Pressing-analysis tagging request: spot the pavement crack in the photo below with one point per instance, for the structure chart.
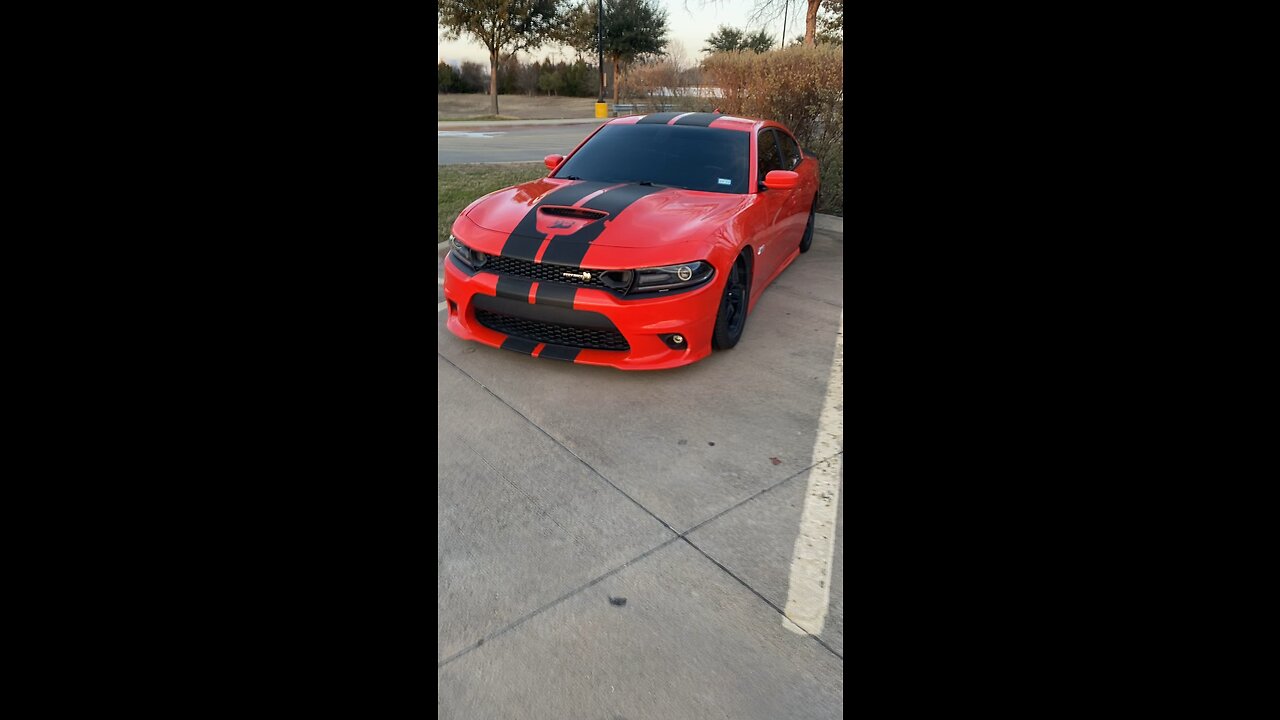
(556, 440)
(771, 488)
(530, 615)
(758, 594)
(677, 534)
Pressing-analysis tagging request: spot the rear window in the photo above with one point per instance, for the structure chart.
(790, 151)
(694, 158)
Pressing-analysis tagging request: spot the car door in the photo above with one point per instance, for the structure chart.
(795, 216)
(772, 210)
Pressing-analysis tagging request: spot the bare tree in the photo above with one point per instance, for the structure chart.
(769, 10)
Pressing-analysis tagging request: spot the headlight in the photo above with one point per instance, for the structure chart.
(672, 276)
(473, 259)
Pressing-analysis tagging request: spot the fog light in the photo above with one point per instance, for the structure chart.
(675, 341)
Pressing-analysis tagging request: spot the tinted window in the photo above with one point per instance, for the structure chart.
(769, 157)
(790, 151)
(695, 158)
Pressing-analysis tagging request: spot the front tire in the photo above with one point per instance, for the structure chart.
(732, 317)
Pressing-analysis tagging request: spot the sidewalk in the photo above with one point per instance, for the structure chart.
(499, 124)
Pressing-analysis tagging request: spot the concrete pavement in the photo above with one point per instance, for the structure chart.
(617, 544)
(499, 142)
(500, 124)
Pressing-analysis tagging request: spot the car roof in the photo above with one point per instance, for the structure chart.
(716, 121)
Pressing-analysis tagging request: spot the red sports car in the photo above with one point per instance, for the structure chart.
(643, 249)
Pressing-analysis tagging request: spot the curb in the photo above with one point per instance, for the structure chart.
(829, 222)
(498, 125)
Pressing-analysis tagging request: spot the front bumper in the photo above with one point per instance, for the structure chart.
(537, 315)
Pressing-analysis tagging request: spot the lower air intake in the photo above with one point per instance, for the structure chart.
(551, 333)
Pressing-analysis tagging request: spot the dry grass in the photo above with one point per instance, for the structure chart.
(458, 185)
(519, 107)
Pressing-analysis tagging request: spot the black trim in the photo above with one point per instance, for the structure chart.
(515, 288)
(560, 352)
(570, 249)
(543, 313)
(555, 295)
(661, 118)
(461, 265)
(699, 119)
(523, 242)
(519, 345)
(536, 331)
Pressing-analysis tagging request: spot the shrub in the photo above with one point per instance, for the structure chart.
(800, 87)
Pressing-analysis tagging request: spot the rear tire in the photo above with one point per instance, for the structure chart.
(732, 318)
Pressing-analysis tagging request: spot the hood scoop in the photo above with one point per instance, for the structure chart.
(562, 220)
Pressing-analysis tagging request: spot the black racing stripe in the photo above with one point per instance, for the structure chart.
(524, 240)
(519, 345)
(699, 119)
(570, 249)
(560, 352)
(555, 295)
(514, 288)
(659, 118)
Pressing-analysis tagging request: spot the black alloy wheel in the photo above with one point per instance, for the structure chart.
(732, 317)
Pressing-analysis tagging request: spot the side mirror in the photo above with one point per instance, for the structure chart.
(782, 180)
(553, 160)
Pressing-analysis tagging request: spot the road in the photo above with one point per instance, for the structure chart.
(498, 142)
(623, 544)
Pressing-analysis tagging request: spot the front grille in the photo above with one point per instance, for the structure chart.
(540, 272)
(551, 333)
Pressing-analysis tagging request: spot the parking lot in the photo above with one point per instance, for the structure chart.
(625, 544)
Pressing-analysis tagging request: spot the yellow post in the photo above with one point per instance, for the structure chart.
(602, 110)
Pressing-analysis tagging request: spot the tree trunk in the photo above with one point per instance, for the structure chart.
(615, 81)
(493, 82)
(811, 23)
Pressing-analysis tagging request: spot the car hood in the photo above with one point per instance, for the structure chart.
(634, 217)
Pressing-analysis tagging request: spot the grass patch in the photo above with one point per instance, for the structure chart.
(459, 185)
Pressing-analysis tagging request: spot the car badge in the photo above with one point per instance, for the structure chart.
(586, 276)
(561, 224)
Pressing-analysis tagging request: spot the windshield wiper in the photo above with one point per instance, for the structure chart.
(650, 183)
(572, 177)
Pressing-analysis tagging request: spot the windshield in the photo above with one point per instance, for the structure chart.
(694, 158)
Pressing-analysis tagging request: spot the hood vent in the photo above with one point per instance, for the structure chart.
(572, 212)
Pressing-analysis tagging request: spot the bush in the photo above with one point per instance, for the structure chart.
(800, 87)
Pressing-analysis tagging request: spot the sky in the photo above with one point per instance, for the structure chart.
(689, 22)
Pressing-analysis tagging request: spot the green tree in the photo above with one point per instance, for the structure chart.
(471, 78)
(727, 39)
(448, 78)
(831, 23)
(504, 27)
(724, 39)
(759, 41)
(508, 74)
(576, 79)
(633, 30)
(550, 82)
